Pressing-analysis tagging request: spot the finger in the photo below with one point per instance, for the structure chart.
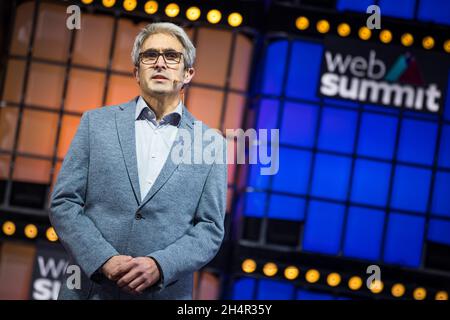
(141, 287)
(135, 283)
(116, 275)
(125, 289)
(107, 274)
(127, 278)
(122, 269)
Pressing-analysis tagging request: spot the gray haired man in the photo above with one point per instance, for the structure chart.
(136, 222)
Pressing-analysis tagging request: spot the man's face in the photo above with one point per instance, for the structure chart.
(161, 78)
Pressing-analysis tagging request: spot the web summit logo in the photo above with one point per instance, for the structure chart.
(367, 79)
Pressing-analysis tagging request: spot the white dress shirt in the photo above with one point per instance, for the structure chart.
(153, 142)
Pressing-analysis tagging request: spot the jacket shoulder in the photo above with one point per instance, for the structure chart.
(105, 110)
(109, 110)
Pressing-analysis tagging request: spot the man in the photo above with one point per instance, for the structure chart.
(137, 222)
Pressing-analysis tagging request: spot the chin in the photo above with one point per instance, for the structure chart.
(159, 91)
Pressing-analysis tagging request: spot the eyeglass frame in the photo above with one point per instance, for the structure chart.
(161, 54)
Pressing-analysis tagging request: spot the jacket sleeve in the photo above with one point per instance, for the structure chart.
(202, 241)
(76, 231)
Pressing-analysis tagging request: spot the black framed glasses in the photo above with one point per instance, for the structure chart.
(171, 57)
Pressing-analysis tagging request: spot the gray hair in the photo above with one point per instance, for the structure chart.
(167, 28)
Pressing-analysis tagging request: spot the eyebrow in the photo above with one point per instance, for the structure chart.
(161, 49)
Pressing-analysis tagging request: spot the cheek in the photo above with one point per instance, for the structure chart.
(179, 76)
(144, 75)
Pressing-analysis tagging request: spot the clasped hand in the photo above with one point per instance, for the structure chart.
(133, 275)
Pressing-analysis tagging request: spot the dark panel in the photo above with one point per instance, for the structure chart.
(2, 190)
(437, 256)
(283, 232)
(30, 195)
(252, 227)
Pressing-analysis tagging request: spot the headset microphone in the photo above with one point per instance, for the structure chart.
(175, 82)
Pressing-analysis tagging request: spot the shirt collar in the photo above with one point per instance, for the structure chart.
(172, 118)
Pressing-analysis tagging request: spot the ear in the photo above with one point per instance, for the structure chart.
(188, 75)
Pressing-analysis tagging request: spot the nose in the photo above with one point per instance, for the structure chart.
(160, 62)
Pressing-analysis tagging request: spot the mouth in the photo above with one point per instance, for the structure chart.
(159, 77)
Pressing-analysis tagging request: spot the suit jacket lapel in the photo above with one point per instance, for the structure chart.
(125, 124)
(186, 123)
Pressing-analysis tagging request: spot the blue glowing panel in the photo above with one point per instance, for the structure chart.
(447, 101)
(404, 240)
(267, 119)
(382, 109)
(417, 142)
(377, 136)
(299, 124)
(411, 188)
(323, 227)
(341, 102)
(303, 294)
(441, 194)
(293, 172)
(337, 130)
(275, 63)
(243, 289)
(444, 148)
(286, 208)
(303, 77)
(268, 114)
(439, 231)
(364, 233)
(331, 176)
(371, 182)
(421, 115)
(255, 204)
(354, 5)
(275, 290)
(434, 10)
(256, 179)
(399, 8)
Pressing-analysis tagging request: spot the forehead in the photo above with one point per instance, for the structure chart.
(162, 41)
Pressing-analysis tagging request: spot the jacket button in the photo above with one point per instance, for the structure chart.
(138, 216)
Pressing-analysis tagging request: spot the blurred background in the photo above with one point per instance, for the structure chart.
(364, 178)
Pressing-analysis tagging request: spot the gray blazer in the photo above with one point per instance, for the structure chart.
(97, 212)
